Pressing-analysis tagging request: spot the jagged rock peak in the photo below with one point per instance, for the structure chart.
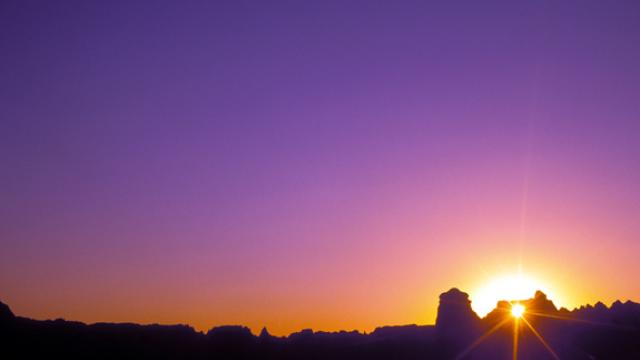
(454, 295)
(540, 295)
(600, 306)
(5, 312)
(264, 333)
(541, 303)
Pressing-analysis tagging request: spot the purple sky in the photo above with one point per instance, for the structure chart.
(331, 165)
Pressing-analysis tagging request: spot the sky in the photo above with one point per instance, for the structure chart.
(329, 165)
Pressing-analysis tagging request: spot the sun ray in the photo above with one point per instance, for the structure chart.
(566, 318)
(515, 338)
(542, 340)
(479, 340)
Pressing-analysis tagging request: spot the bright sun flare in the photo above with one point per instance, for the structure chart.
(514, 287)
(517, 310)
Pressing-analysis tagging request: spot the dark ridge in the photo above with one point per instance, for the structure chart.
(5, 313)
(588, 332)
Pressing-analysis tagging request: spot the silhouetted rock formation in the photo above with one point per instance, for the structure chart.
(264, 335)
(5, 313)
(589, 332)
(456, 323)
(540, 304)
(454, 312)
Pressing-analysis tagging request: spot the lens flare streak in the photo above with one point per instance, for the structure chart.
(515, 338)
(566, 318)
(516, 317)
(542, 340)
(481, 339)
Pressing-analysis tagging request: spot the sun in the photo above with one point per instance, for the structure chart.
(517, 310)
(510, 287)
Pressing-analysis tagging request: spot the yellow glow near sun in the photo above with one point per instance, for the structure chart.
(517, 310)
(513, 287)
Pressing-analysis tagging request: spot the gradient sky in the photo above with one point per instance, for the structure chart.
(334, 165)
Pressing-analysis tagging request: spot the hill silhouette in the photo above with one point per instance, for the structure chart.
(545, 332)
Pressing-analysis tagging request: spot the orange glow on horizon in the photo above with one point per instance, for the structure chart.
(509, 288)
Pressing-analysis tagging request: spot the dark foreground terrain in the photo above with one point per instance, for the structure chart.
(592, 332)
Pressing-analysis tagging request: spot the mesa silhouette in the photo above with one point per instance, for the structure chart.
(544, 332)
